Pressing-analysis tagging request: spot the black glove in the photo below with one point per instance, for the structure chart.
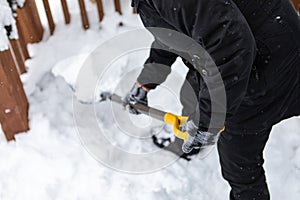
(137, 94)
(197, 139)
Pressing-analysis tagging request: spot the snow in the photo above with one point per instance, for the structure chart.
(7, 110)
(51, 162)
(21, 3)
(6, 19)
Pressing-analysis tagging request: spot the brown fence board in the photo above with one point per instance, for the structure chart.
(13, 101)
(23, 45)
(18, 56)
(84, 17)
(49, 16)
(118, 6)
(66, 12)
(29, 23)
(100, 9)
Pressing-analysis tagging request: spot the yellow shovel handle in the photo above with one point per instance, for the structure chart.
(176, 122)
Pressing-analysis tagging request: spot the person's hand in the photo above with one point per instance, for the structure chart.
(197, 139)
(137, 94)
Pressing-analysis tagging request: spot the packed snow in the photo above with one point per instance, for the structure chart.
(50, 161)
(7, 19)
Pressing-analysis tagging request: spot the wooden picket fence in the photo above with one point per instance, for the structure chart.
(84, 16)
(13, 102)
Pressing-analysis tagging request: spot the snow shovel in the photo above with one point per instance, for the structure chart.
(169, 118)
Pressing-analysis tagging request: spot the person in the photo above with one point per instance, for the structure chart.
(256, 48)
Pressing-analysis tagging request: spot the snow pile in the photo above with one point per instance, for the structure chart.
(49, 162)
(15, 4)
(6, 19)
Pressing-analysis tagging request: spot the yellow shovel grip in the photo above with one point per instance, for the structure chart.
(176, 122)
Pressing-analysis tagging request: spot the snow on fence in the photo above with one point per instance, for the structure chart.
(13, 53)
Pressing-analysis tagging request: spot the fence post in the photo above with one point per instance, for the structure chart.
(49, 16)
(29, 23)
(118, 6)
(13, 101)
(100, 9)
(84, 17)
(65, 8)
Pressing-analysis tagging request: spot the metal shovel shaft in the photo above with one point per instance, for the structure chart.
(168, 118)
(152, 112)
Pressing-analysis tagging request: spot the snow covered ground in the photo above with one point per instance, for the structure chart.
(50, 162)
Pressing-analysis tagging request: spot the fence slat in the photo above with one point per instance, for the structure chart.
(49, 16)
(118, 6)
(66, 12)
(100, 9)
(18, 56)
(23, 45)
(13, 101)
(84, 17)
(29, 23)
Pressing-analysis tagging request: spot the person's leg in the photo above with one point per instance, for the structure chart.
(241, 159)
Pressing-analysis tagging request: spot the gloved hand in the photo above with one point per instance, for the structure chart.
(137, 94)
(197, 139)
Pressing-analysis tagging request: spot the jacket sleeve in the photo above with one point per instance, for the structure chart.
(158, 65)
(221, 29)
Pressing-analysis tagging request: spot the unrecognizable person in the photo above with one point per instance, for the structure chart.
(256, 47)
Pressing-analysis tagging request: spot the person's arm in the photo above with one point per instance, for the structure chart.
(224, 33)
(158, 65)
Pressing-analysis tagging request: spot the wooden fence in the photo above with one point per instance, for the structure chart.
(13, 101)
(297, 5)
(84, 16)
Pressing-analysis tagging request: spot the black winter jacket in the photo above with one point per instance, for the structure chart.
(255, 45)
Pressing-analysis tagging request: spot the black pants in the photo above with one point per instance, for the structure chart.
(241, 159)
(241, 155)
